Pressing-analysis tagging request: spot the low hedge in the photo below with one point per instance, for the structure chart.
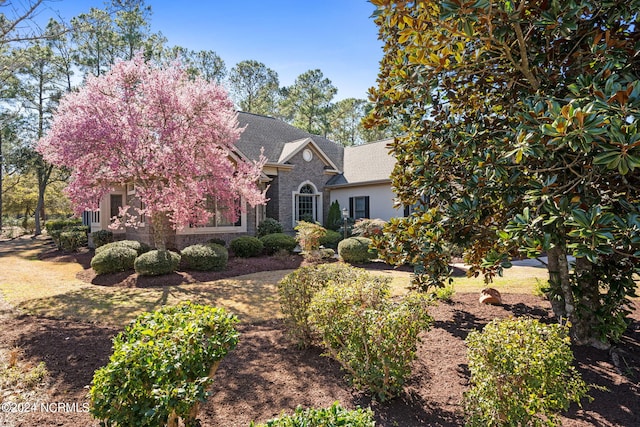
(139, 247)
(205, 257)
(355, 250)
(277, 242)
(246, 246)
(157, 263)
(72, 240)
(327, 417)
(101, 237)
(114, 259)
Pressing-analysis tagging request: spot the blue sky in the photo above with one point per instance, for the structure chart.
(289, 36)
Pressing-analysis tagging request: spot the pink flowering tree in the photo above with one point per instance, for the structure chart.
(170, 136)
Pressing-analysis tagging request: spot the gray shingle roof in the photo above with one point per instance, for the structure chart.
(366, 163)
(273, 134)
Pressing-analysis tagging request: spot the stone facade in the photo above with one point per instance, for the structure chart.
(288, 181)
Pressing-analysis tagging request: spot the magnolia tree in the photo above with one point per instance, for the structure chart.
(170, 136)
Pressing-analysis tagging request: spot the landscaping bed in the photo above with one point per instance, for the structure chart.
(266, 374)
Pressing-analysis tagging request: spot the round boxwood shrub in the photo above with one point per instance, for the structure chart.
(101, 237)
(246, 246)
(277, 242)
(269, 226)
(331, 239)
(114, 259)
(161, 367)
(156, 263)
(355, 250)
(139, 247)
(205, 257)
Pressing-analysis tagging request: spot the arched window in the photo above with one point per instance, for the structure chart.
(307, 204)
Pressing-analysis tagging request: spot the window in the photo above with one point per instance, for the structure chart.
(359, 207)
(115, 203)
(307, 204)
(219, 217)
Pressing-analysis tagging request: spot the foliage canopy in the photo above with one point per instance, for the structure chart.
(519, 137)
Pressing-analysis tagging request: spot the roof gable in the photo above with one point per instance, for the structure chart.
(273, 135)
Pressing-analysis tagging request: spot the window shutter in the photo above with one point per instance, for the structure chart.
(366, 207)
(351, 207)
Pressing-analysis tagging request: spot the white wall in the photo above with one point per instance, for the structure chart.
(380, 199)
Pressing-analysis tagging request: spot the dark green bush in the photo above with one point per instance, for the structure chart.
(69, 240)
(334, 416)
(334, 217)
(269, 226)
(156, 263)
(371, 336)
(205, 257)
(218, 241)
(522, 374)
(277, 242)
(114, 259)
(161, 367)
(331, 239)
(72, 240)
(246, 246)
(356, 250)
(139, 247)
(101, 237)
(297, 289)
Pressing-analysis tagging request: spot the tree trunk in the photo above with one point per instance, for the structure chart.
(159, 225)
(575, 302)
(556, 295)
(587, 294)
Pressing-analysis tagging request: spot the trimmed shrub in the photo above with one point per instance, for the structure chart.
(58, 227)
(366, 227)
(205, 257)
(521, 374)
(277, 242)
(269, 226)
(156, 263)
(373, 338)
(326, 253)
(331, 239)
(72, 240)
(297, 289)
(162, 365)
(114, 259)
(61, 224)
(139, 247)
(246, 246)
(101, 237)
(218, 241)
(334, 416)
(355, 250)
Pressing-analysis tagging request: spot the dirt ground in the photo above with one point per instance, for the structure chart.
(266, 374)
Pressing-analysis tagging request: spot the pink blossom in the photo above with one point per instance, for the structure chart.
(171, 137)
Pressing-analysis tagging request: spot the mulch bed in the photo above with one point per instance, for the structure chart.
(266, 374)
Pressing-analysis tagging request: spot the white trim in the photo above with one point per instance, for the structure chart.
(301, 144)
(213, 230)
(317, 202)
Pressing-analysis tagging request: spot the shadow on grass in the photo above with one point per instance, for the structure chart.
(250, 300)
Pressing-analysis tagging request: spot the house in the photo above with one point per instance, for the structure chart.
(304, 173)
